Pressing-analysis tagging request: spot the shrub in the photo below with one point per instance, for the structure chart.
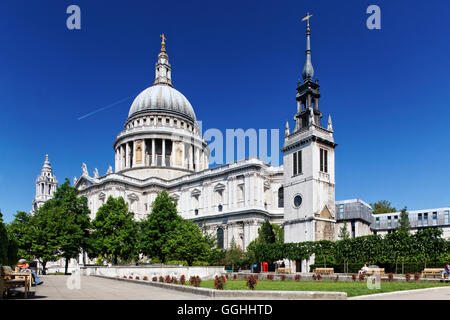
(354, 277)
(297, 277)
(195, 281)
(200, 264)
(137, 278)
(407, 277)
(337, 278)
(130, 277)
(361, 277)
(252, 281)
(182, 279)
(316, 276)
(177, 262)
(234, 276)
(154, 279)
(391, 276)
(416, 276)
(145, 278)
(174, 280)
(227, 276)
(161, 279)
(124, 277)
(270, 276)
(219, 282)
(168, 279)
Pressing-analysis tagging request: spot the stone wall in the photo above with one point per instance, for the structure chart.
(153, 271)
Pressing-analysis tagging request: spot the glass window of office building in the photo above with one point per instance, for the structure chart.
(377, 223)
(341, 211)
(389, 222)
(434, 218)
(419, 219)
(425, 219)
(446, 217)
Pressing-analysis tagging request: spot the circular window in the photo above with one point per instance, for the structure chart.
(298, 201)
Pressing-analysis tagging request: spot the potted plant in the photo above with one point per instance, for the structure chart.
(297, 277)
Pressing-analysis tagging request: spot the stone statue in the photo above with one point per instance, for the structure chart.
(96, 173)
(311, 116)
(109, 170)
(85, 171)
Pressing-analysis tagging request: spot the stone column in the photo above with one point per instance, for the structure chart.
(116, 158)
(127, 157)
(133, 162)
(153, 152)
(163, 152)
(229, 193)
(191, 157)
(246, 188)
(144, 150)
(183, 160)
(197, 159)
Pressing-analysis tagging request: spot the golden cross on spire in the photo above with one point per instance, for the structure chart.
(163, 42)
(308, 16)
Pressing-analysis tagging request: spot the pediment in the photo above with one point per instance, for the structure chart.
(325, 214)
(219, 187)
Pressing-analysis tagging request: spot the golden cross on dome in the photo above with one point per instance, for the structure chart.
(163, 43)
(308, 16)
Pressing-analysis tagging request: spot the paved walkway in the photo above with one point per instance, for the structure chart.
(440, 293)
(93, 288)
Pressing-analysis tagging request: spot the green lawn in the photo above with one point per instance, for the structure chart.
(351, 288)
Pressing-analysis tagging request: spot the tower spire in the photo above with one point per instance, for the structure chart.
(308, 70)
(163, 70)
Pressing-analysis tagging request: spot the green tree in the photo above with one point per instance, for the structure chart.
(114, 231)
(325, 248)
(186, 242)
(19, 230)
(343, 232)
(72, 214)
(382, 206)
(43, 234)
(156, 230)
(265, 233)
(4, 242)
(344, 251)
(279, 233)
(233, 255)
(404, 224)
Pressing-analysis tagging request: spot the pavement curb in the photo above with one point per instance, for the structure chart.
(375, 295)
(298, 295)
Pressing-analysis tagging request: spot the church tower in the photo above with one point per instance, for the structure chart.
(308, 155)
(45, 185)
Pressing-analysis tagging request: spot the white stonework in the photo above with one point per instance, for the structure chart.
(161, 148)
(45, 185)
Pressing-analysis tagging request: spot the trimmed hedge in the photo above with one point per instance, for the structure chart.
(388, 267)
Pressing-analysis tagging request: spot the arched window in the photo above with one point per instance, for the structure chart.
(220, 238)
(281, 197)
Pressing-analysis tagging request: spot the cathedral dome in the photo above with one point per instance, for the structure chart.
(162, 98)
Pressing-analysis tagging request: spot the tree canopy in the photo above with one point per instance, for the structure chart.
(114, 232)
(382, 206)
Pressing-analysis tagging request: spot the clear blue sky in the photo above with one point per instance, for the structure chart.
(238, 63)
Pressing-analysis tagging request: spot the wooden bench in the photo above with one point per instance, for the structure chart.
(283, 270)
(10, 279)
(375, 270)
(432, 272)
(324, 270)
